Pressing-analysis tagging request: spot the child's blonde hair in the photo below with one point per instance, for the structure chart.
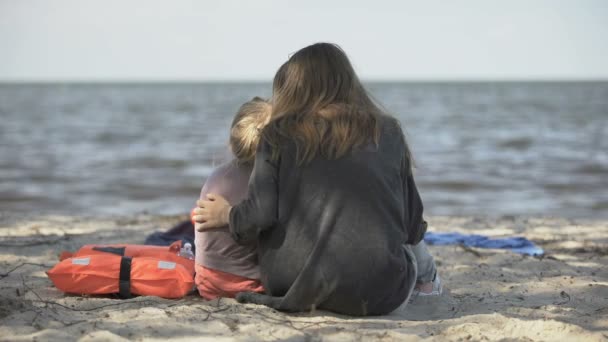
(246, 128)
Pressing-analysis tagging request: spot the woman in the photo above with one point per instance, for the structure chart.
(332, 201)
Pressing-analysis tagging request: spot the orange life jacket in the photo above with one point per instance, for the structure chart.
(125, 269)
(167, 253)
(110, 273)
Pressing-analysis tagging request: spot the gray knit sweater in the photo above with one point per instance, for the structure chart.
(330, 233)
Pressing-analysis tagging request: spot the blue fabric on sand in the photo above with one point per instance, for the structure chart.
(182, 231)
(516, 244)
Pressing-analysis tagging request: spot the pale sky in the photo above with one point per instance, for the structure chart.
(146, 40)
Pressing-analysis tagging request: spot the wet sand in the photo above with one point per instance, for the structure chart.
(492, 294)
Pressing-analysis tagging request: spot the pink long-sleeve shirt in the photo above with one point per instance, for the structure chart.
(215, 248)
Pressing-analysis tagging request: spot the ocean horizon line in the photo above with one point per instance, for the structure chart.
(260, 81)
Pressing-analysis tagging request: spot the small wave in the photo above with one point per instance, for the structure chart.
(600, 206)
(592, 168)
(114, 138)
(523, 143)
(562, 187)
(185, 108)
(151, 162)
(456, 185)
(18, 197)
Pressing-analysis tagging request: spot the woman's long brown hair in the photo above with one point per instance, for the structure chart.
(320, 104)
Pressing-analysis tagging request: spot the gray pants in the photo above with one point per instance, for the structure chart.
(422, 269)
(425, 263)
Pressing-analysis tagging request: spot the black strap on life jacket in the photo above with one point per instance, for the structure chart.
(114, 250)
(124, 282)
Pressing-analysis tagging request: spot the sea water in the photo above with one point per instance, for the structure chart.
(480, 148)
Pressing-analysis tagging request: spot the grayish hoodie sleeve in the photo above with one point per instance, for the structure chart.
(259, 211)
(415, 224)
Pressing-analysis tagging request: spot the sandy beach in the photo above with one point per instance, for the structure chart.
(492, 294)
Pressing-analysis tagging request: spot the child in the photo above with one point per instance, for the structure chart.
(224, 267)
(332, 202)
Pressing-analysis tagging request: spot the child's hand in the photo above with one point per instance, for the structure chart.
(211, 213)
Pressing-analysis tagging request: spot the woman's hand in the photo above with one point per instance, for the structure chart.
(211, 213)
